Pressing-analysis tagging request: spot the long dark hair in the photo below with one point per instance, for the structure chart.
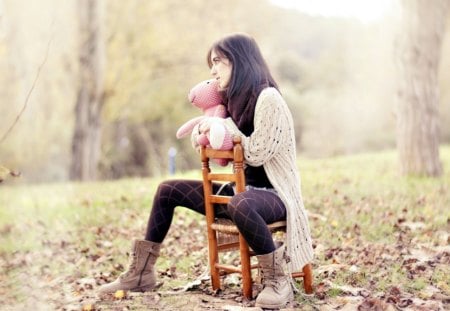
(250, 75)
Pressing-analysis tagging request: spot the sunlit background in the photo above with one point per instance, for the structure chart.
(365, 10)
(334, 62)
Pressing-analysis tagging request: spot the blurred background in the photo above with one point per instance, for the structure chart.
(108, 80)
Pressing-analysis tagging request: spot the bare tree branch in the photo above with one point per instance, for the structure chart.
(5, 135)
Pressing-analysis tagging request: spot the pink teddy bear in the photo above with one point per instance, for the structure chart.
(206, 96)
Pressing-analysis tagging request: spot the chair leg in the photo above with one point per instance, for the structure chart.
(246, 268)
(213, 259)
(308, 279)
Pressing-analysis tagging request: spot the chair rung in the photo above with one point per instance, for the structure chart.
(298, 274)
(228, 268)
(228, 247)
(278, 225)
(220, 199)
(221, 177)
(234, 269)
(219, 154)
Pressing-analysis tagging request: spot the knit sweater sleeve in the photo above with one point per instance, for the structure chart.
(269, 123)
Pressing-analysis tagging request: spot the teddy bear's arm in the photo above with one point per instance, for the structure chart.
(219, 136)
(187, 127)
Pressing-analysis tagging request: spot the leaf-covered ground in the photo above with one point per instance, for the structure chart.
(381, 243)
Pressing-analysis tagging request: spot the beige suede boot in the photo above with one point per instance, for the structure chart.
(140, 275)
(277, 291)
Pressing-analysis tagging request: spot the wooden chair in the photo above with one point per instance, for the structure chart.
(216, 228)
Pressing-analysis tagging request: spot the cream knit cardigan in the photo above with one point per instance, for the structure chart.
(272, 144)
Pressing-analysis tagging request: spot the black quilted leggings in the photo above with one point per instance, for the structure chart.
(250, 211)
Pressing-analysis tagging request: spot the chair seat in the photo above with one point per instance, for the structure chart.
(227, 226)
(228, 232)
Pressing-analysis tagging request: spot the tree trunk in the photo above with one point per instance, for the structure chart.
(86, 140)
(418, 52)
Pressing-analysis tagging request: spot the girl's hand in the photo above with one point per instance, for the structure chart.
(194, 137)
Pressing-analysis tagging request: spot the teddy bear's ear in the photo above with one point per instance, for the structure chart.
(205, 94)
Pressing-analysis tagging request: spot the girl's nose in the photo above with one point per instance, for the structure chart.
(213, 71)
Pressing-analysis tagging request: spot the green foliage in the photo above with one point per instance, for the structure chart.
(336, 74)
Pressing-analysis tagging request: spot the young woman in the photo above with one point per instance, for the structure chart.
(260, 116)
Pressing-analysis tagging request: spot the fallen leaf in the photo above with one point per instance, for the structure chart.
(372, 304)
(88, 307)
(321, 290)
(120, 294)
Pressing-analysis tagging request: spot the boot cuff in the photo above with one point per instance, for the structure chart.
(147, 246)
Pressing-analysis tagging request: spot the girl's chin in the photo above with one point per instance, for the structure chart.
(222, 87)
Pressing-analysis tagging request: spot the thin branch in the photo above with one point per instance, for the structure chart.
(29, 93)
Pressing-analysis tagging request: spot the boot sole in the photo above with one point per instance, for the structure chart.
(277, 306)
(263, 306)
(134, 289)
(143, 288)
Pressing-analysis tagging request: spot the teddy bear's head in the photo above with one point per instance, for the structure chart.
(205, 94)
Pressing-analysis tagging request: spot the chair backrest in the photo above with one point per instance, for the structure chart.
(236, 155)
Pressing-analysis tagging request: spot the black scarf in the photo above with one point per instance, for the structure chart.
(242, 110)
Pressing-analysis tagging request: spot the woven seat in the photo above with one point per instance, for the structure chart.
(228, 233)
(227, 226)
(223, 235)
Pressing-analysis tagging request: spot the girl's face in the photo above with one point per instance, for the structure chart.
(221, 69)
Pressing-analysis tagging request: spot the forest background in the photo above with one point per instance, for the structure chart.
(96, 89)
(337, 74)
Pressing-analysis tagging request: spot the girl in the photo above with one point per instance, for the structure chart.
(260, 116)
